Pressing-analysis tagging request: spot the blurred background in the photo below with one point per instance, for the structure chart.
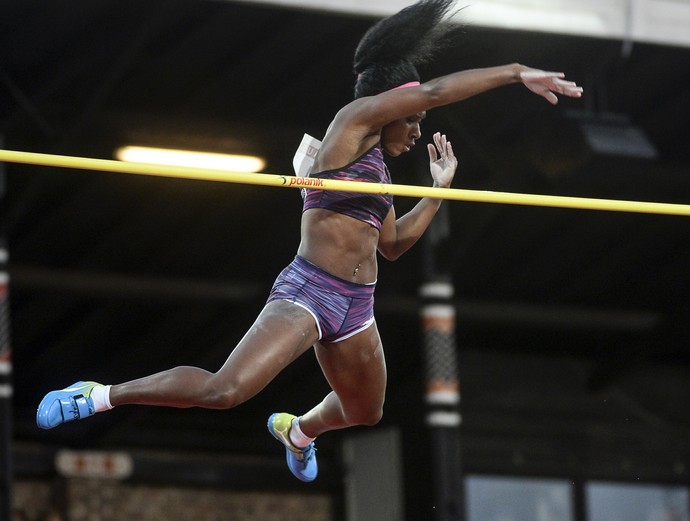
(571, 340)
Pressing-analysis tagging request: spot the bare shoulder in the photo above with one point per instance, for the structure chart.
(356, 114)
(346, 140)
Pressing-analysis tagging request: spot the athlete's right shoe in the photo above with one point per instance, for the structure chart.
(71, 403)
(301, 462)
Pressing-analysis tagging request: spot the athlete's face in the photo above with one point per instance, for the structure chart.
(400, 136)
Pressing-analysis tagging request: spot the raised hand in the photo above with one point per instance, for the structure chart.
(443, 163)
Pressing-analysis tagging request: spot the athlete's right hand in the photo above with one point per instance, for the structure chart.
(548, 84)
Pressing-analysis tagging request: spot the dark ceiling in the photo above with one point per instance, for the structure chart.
(573, 325)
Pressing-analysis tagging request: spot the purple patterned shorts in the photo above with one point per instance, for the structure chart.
(340, 308)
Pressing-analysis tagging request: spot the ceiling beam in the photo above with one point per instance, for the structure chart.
(654, 21)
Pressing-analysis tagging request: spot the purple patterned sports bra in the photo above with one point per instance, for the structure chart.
(369, 208)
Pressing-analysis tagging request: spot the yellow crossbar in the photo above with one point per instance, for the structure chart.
(288, 181)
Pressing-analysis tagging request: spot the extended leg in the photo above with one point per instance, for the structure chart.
(280, 334)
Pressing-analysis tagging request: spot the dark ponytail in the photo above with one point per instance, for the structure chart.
(390, 51)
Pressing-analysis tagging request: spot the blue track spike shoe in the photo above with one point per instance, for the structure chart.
(71, 403)
(301, 462)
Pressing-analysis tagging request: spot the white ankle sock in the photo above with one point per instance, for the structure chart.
(297, 437)
(101, 398)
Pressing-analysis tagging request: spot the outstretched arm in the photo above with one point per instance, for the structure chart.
(398, 235)
(465, 84)
(377, 111)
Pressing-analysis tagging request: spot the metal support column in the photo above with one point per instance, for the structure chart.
(5, 382)
(442, 380)
(442, 397)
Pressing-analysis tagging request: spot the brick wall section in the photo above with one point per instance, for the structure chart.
(106, 500)
(33, 497)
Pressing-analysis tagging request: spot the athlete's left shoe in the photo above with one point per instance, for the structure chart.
(71, 403)
(301, 462)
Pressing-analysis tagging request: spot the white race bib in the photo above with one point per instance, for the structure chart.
(305, 155)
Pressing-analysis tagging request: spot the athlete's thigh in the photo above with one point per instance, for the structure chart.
(282, 332)
(356, 367)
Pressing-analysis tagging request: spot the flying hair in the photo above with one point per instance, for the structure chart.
(391, 50)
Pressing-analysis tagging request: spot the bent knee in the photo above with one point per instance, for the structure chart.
(223, 395)
(368, 417)
(224, 400)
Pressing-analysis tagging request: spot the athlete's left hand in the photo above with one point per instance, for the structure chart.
(443, 163)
